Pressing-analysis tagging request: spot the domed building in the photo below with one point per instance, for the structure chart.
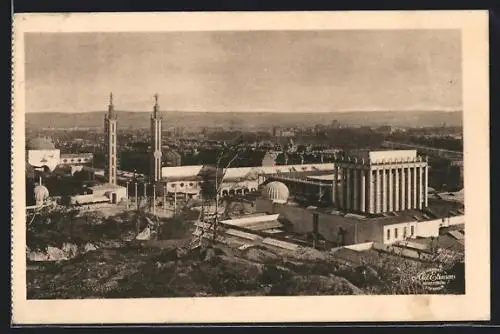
(276, 191)
(41, 194)
(42, 154)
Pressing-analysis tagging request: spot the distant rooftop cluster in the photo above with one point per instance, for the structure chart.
(41, 143)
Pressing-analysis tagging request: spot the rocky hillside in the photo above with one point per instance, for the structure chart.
(94, 258)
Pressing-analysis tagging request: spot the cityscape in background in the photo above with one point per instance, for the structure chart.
(331, 192)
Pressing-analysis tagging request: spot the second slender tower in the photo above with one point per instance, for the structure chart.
(156, 153)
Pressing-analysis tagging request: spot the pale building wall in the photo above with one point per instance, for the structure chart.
(184, 186)
(457, 220)
(360, 247)
(41, 158)
(378, 156)
(390, 235)
(181, 171)
(430, 228)
(120, 192)
(397, 155)
(301, 220)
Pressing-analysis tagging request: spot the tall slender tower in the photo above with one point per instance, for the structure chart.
(156, 143)
(110, 142)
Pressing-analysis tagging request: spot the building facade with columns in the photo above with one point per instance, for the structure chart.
(110, 130)
(375, 182)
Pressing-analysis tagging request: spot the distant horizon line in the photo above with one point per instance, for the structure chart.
(251, 111)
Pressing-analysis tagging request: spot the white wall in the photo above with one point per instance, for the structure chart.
(194, 187)
(457, 220)
(181, 171)
(360, 247)
(121, 194)
(390, 237)
(423, 229)
(40, 158)
(430, 228)
(395, 155)
(188, 186)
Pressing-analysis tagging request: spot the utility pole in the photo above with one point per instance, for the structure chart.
(136, 199)
(127, 194)
(202, 207)
(216, 201)
(154, 199)
(165, 197)
(175, 200)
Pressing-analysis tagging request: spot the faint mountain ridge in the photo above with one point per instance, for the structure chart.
(243, 119)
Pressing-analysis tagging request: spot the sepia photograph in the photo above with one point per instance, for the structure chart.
(222, 161)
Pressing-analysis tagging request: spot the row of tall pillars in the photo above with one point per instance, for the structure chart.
(403, 190)
(386, 190)
(426, 203)
(342, 188)
(398, 189)
(410, 194)
(356, 180)
(371, 202)
(391, 193)
(363, 192)
(378, 192)
(334, 185)
(136, 199)
(347, 173)
(414, 179)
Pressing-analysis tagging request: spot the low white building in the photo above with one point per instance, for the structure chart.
(115, 193)
(394, 232)
(102, 193)
(237, 180)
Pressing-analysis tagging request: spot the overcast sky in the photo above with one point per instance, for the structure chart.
(243, 71)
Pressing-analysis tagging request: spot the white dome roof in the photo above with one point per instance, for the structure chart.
(276, 191)
(41, 193)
